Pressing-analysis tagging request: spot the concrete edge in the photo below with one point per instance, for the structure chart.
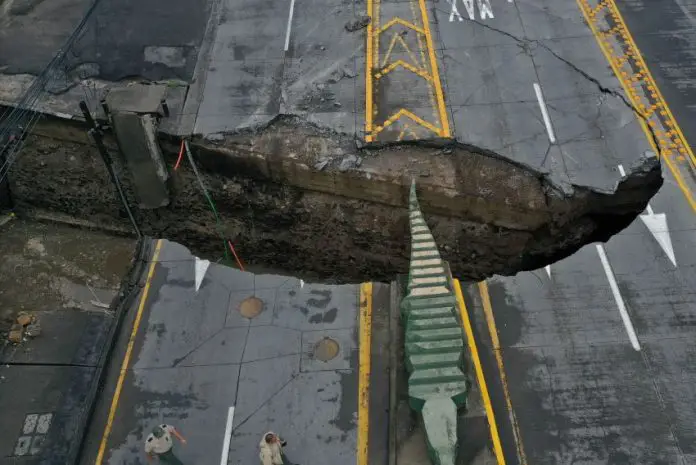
(129, 290)
(394, 328)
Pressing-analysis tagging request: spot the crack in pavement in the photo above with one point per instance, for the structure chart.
(529, 44)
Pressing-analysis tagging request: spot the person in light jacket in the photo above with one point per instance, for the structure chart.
(271, 449)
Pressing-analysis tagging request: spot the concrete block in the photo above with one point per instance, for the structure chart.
(16, 333)
(434, 347)
(434, 334)
(434, 360)
(440, 424)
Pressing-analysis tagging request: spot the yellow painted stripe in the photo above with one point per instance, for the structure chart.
(490, 320)
(610, 57)
(127, 357)
(619, 19)
(492, 425)
(368, 75)
(444, 121)
(364, 375)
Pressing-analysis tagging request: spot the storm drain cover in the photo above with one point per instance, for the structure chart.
(251, 307)
(326, 349)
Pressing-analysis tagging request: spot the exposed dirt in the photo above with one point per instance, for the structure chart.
(47, 268)
(288, 200)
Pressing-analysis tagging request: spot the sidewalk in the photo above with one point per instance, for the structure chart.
(47, 382)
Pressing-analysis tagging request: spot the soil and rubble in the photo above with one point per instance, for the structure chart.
(303, 199)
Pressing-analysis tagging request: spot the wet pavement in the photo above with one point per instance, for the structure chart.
(597, 349)
(66, 279)
(528, 79)
(581, 389)
(243, 355)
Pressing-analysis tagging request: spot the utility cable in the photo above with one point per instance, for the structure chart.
(226, 242)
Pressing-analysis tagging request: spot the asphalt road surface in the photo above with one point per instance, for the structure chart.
(592, 359)
(243, 355)
(596, 353)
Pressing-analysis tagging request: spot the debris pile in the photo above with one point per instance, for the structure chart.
(26, 326)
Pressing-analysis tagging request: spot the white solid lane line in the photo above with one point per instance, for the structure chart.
(544, 113)
(287, 32)
(228, 436)
(617, 297)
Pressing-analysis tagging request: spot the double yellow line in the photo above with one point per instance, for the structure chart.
(372, 64)
(659, 111)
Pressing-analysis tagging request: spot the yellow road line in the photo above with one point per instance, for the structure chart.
(644, 67)
(397, 37)
(444, 121)
(364, 373)
(631, 94)
(403, 64)
(126, 358)
(490, 320)
(403, 22)
(403, 112)
(368, 75)
(492, 425)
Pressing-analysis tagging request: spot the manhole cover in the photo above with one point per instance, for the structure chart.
(251, 307)
(326, 349)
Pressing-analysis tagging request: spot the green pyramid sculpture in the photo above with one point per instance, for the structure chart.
(437, 386)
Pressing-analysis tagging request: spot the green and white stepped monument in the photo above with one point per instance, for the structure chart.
(437, 385)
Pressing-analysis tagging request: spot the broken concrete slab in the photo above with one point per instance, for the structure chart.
(490, 214)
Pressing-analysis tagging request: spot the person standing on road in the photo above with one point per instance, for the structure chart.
(159, 444)
(271, 449)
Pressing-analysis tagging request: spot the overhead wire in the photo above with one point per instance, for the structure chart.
(16, 123)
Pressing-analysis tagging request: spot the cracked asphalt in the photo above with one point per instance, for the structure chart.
(596, 352)
(187, 357)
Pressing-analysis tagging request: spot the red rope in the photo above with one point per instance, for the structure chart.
(239, 262)
(181, 154)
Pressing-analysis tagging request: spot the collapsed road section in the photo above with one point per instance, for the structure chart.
(280, 199)
(276, 109)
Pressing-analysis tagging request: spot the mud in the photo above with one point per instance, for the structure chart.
(46, 268)
(297, 198)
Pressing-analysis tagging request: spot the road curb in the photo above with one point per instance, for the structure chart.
(394, 339)
(129, 290)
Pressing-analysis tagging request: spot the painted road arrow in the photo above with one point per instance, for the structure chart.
(201, 268)
(657, 225)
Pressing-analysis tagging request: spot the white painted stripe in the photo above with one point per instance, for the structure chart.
(431, 291)
(617, 297)
(228, 437)
(544, 113)
(420, 229)
(425, 253)
(424, 271)
(424, 245)
(429, 280)
(428, 262)
(421, 236)
(289, 27)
